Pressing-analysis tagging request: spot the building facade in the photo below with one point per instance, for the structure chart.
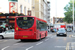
(15, 6)
(45, 10)
(58, 20)
(38, 8)
(48, 12)
(24, 6)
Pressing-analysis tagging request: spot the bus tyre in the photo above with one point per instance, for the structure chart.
(45, 35)
(40, 37)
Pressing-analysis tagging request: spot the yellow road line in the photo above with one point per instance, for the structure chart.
(67, 46)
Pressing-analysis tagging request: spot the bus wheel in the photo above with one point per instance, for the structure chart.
(45, 35)
(40, 37)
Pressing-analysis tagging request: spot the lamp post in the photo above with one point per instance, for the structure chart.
(56, 10)
(73, 16)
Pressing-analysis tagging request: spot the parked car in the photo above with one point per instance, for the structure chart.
(61, 32)
(7, 34)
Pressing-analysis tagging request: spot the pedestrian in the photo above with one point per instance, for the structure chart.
(1, 29)
(10, 27)
(6, 28)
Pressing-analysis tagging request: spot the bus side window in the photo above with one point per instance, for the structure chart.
(41, 26)
(37, 25)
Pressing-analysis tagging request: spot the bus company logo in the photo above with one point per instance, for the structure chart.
(13, 7)
(25, 18)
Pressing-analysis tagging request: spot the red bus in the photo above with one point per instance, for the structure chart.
(30, 27)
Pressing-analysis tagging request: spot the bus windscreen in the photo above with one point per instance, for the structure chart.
(25, 22)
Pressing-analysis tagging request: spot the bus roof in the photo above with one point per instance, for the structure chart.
(34, 17)
(41, 20)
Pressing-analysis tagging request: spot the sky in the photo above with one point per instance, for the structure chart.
(59, 11)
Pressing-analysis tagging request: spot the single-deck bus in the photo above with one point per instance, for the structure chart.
(30, 27)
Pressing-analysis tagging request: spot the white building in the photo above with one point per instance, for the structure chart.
(4, 6)
(12, 6)
(24, 6)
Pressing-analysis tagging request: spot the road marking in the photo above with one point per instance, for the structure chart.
(53, 36)
(72, 45)
(47, 39)
(16, 44)
(29, 48)
(67, 46)
(60, 46)
(39, 43)
(5, 47)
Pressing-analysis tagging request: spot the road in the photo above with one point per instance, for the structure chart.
(51, 42)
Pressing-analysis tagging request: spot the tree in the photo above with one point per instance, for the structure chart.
(68, 14)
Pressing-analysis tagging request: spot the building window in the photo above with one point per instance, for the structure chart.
(25, 10)
(20, 8)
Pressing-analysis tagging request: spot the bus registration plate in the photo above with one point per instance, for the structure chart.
(25, 36)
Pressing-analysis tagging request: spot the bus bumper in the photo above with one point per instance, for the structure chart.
(24, 37)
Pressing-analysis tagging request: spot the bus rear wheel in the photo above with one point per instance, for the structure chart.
(40, 37)
(45, 35)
